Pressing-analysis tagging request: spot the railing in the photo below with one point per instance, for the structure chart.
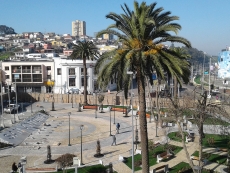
(16, 70)
(26, 70)
(37, 71)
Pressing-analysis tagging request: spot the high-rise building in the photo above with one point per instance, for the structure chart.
(107, 36)
(78, 28)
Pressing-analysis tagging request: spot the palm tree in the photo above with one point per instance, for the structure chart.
(142, 33)
(85, 50)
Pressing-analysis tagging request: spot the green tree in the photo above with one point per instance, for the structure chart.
(6, 30)
(143, 33)
(85, 50)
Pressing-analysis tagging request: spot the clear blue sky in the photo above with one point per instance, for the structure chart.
(205, 23)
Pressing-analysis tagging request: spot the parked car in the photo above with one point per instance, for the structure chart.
(11, 108)
(73, 90)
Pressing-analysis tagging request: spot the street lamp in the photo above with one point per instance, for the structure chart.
(114, 111)
(72, 97)
(69, 113)
(110, 118)
(136, 137)
(203, 74)
(14, 113)
(96, 104)
(131, 73)
(81, 128)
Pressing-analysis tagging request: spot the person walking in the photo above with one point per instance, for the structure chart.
(114, 140)
(118, 127)
(14, 167)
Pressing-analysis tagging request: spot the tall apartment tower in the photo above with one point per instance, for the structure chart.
(78, 28)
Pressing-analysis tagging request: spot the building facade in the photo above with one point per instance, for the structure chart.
(78, 28)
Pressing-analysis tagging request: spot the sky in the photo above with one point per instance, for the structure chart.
(205, 23)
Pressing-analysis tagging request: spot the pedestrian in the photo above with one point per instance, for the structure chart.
(14, 167)
(114, 140)
(117, 127)
(217, 97)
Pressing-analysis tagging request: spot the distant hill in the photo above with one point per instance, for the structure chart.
(197, 56)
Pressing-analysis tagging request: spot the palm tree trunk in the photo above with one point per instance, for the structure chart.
(175, 88)
(143, 121)
(85, 82)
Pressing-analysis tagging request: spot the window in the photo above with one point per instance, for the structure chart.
(82, 82)
(48, 76)
(82, 71)
(71, 71)
(71, 81)
(58, 71)
(7, 68)
(48, 68)
(7, 76)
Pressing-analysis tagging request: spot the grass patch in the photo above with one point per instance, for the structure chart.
(221, 141)
(197, 80)
(89, 169)
(212, 157)
(184, 167)
(213, 121)
(152, 156)
(176, 136)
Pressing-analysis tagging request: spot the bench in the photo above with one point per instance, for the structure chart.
(205, 161)
(90, 107)
(165, 167)
(118, 109)
(194, 158)
(122, 159)
(147, 115)
(188, 139)
(164, 155)
(222, 149)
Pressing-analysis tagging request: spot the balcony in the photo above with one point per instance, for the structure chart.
(16, 71)
(26, 70)
(37, 71)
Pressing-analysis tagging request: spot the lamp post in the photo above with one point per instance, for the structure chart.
(2, 104)
(69, 128)
(203, 74)
(72, 97)
(14, 113)
(81, 128)
(131, 73)
(136, 137)
(114, 111)
(96, 104)
(110, 119)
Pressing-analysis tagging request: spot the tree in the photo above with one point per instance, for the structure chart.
(203, 109)
(143, 33)
(65, 160)
(85, 50)
(6, 30)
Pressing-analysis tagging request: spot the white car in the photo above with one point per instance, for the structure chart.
(73, 90)
(11, 108)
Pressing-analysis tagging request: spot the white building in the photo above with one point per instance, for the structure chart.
(78, 28)
(69, 74)
(29, 75)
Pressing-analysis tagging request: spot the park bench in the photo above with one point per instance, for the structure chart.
(164, 155)
(90, 107)
(222, 149)
(165, 167)
(188, 139)
(205, 161)
(122, 159)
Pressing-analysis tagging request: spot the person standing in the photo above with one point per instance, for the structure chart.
(114, 140)
(118, 127)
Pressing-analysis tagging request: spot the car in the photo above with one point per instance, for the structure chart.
(73, 91)
(11, 108)
(215, 91)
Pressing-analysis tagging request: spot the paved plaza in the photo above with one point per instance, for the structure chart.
(33, 133)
